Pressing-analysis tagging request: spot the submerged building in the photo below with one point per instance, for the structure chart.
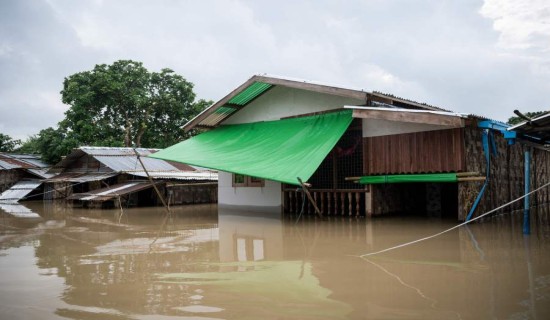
(108, 176)
(21, 176)
(362, 153)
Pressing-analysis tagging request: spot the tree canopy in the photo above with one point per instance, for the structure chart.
(121, 104)
(7, 143)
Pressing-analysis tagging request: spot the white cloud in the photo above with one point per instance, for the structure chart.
(522, 24)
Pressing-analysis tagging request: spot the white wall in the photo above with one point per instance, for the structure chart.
(282, 102)
(267, 196)
(378, 127)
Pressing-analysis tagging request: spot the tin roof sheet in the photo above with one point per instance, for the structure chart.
(538, 127)
(81, 177)
(19, 191)
(10, 161)
(197, 175)
(111, 192)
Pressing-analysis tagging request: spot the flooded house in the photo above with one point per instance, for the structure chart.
(21, 176)
(361, 153)
(125, 177)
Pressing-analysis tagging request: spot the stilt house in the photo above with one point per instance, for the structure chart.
(363, 153)
(106, 177)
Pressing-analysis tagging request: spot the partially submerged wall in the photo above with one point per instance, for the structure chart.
(259, 198)
(506, 179)
(8, 178)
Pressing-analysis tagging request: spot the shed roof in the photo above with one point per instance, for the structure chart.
(538, 128)
(111, 192)
(19, 190)
(124, 160)
(260, 84)
(10, 161)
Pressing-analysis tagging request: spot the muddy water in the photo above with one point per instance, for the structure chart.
(85, 264)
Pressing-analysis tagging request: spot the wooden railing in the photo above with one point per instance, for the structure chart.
(339, 202)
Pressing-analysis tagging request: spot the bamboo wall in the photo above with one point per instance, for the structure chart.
(506, 176)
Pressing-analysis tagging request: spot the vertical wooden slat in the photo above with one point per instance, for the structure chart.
(431, 151)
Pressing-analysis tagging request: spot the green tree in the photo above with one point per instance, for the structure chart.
(51, 144)
(123, 104)
(517, 120)
(7, 143)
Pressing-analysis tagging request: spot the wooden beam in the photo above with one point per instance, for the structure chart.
(411, 117)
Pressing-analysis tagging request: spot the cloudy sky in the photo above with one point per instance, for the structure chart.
(484, 57)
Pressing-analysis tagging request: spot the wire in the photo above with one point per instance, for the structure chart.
(455, 227)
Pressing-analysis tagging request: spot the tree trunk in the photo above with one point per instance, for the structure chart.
(127, 140)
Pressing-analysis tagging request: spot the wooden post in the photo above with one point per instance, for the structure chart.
(152, 183)
(342, 203)
(526, 210)
(350, 204)
(357, 203)
(322, 202)
(309, 196)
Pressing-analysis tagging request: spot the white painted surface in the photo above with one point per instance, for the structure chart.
(267, 196)
(280, 102)
(378, 127)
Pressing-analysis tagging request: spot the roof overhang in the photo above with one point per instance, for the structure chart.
(258, 85)
(535, 130)
(440, 118)
(112, 192)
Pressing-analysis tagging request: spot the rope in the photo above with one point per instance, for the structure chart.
(455, 227)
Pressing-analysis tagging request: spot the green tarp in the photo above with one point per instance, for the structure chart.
(402, 178)
(275, 150)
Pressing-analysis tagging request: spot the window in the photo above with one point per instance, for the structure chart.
(241, 180)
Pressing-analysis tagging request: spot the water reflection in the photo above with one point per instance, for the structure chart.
(86, 264)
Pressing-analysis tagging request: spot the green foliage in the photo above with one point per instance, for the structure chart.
(7, 143)
(517, 120)
(123, 104)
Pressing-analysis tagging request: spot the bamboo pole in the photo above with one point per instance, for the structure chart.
(469, 179)
(152, 183)
(304, 187)
(467, 174)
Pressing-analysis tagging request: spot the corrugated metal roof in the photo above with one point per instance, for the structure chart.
(116, 151)
(538, 127)
(259, 84)
(131, 163)
(42, 173)
(21, 161)
(111, 192)
(197, 175)
(18, 210)
(81, 177)
(124, 160)
(19, 190)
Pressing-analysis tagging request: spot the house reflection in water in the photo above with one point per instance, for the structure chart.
(248, 237)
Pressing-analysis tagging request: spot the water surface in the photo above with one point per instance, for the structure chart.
(201, 264)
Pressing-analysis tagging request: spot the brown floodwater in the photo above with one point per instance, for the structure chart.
(204, 264)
